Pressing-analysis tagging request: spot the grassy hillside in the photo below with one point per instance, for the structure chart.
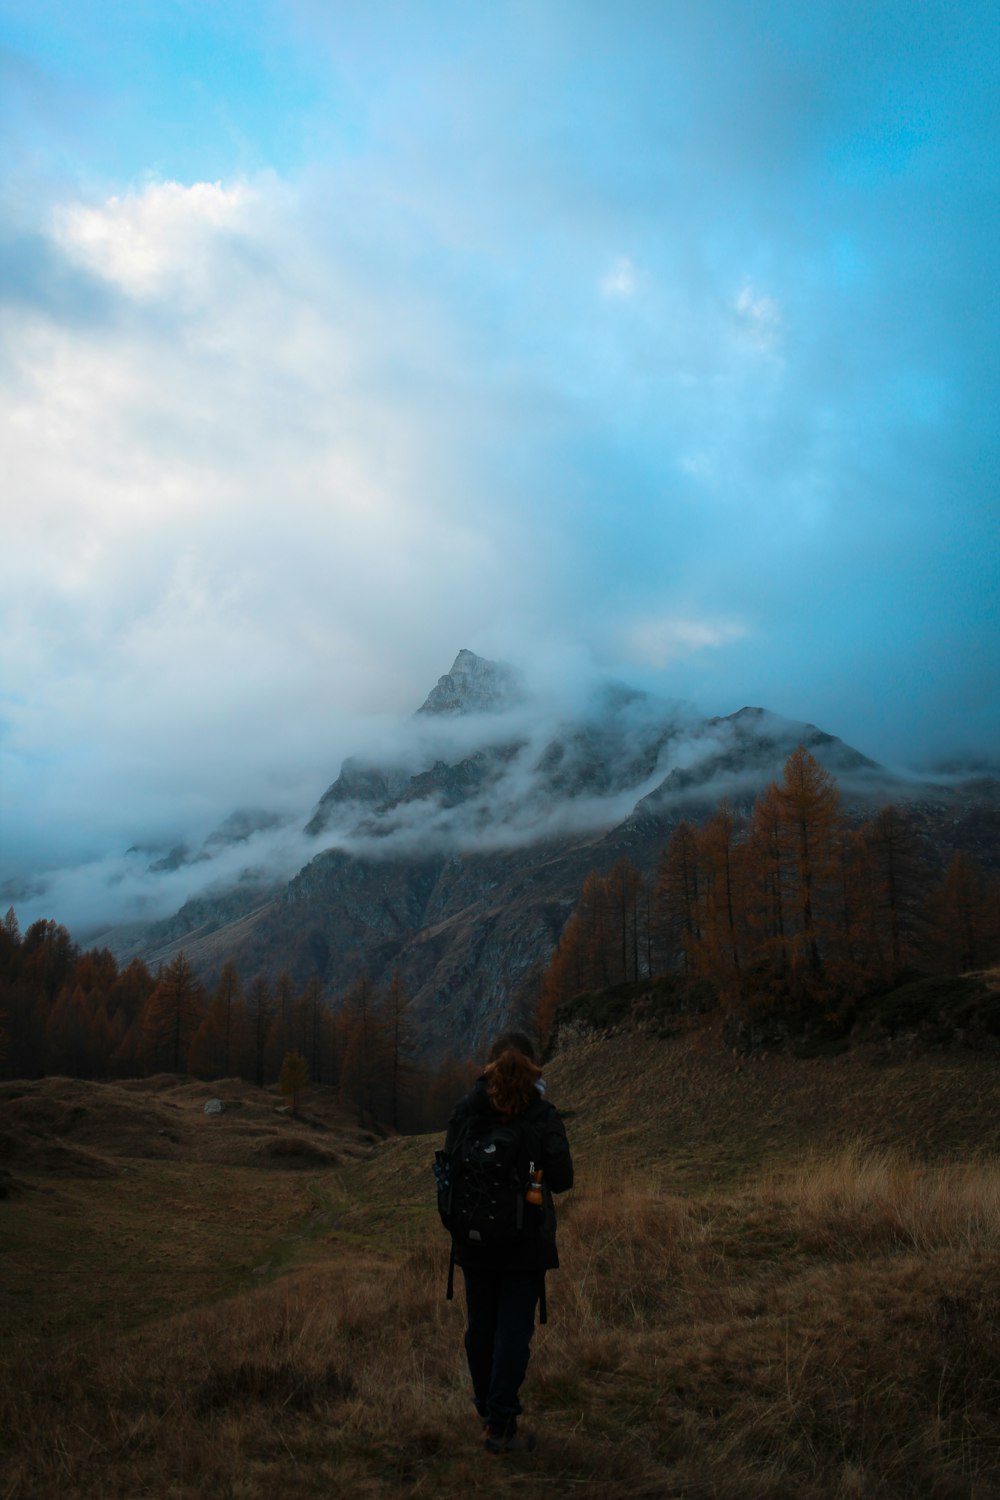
(780, 1279)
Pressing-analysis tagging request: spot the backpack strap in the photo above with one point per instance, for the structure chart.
(449, 1295)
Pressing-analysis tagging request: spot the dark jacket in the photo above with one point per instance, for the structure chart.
(550, 1148)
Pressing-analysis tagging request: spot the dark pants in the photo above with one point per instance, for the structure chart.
(501, 1308)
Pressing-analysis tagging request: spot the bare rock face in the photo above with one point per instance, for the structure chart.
(358, 785)
(474, 686)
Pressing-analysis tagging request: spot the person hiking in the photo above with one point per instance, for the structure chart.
(505, 1154)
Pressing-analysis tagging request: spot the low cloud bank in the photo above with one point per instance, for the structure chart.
(476, 783)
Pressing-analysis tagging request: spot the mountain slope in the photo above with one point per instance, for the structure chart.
(459, 863)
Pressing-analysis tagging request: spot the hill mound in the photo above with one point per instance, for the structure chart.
(686, 1108)
(746, 1309)
(78, 1128)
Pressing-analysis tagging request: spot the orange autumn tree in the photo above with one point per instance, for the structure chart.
(603, 943)
(129, 994)
(314, 1027)
(259, 1017)
(218, 1042)
(678, 898)
(624, 891)
(281, 1031)
(893, 848)
(965, 917)
(747, 906)
(767, 897)
(363, 1048)
(808, 830)
(720, 948)
(172, 1015)
(397, 1033)
(580, 961)
(293, 1077)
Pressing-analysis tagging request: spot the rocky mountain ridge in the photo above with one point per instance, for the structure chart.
(459, 863)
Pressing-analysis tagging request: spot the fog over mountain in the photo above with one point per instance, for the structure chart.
(486, 763)
(452, 848)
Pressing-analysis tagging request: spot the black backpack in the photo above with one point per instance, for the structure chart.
(483, 1182)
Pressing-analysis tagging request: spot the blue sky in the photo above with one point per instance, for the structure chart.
(651, 339)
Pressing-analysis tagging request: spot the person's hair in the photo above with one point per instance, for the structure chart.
(511, 1073)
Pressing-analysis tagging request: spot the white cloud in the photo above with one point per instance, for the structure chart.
(758, 315)
(143, 241)
(621, 281)
(658, 641)
(237, 515)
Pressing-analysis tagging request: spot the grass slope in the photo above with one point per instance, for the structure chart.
(780, 1279)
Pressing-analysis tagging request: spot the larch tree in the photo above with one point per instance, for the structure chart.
(721, 861)
(67, 1049)
(624, 890)
(293, 1077)
(678, 898)
(584, 955)
(10, 956)
(809, 804)
(260, 1015)
(312, 1031)
(899, 884)
(127, 1005)
(767, 895)
(397, 1034)
(363, 1051)
(172, 1015)
(963, 928)
(281, 1032)
(227, 1014)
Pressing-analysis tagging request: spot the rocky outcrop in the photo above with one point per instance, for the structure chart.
(474, 685)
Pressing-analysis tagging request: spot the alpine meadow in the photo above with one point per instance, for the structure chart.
(779, 1262)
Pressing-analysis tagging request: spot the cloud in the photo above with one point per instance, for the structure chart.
(154, 240)
(621, 280)
(233, 496)
(280, 435)
(546, 769)
(659, 641)
(759, 315)
(613, 748)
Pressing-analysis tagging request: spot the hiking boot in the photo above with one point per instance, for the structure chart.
(510, 1442)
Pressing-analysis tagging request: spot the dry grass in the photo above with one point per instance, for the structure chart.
(831, 1331)
(819, 1327)
(867, 1198)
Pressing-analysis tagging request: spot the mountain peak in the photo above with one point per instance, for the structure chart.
(474, 685)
